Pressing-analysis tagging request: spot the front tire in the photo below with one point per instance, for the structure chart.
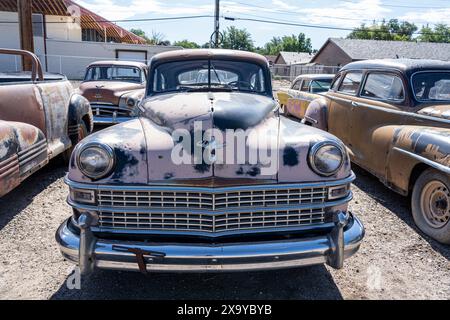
(430, 204)
(82, 133)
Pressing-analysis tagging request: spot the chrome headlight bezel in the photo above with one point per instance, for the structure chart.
(107, 150)
(316, 148)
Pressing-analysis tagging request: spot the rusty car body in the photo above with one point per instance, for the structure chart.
(114, 89)
(40, 118)
(394, 118)
(305, 88)
(140, 207)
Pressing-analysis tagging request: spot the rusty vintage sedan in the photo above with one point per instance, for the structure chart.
(209, 178)
(40, 118)
(305, 88)
(394, 118)
(114, 89)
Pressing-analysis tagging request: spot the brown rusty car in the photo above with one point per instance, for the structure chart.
(209, 177)
(114, 89)
(394, 118)
(40, 118)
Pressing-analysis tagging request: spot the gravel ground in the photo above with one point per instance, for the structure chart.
(395, 261)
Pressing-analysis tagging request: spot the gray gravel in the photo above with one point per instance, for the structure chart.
(396, 261)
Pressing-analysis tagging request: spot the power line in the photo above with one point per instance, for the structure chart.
(280, 22)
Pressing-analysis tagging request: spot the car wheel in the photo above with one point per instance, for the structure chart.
(82, 133)
(430, 204)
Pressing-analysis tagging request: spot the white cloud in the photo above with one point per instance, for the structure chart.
(429, 16)
(111, 10)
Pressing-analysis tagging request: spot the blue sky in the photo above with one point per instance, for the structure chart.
(332, 13)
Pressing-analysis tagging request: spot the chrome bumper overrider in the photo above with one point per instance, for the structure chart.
(91, 252)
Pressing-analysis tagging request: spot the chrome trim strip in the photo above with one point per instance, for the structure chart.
(34, 146)
(333, 183)
(431, 163)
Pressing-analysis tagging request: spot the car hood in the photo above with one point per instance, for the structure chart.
(437, 111)
(109, 91)
(171, 143)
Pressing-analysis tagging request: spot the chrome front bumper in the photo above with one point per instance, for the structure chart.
(90, 252)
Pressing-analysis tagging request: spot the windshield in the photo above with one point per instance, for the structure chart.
(208, 75)
(322, 85)
(114, 73)
(432, 86)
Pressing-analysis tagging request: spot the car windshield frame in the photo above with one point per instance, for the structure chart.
(211, 70)
(427, 72)
(141, 75)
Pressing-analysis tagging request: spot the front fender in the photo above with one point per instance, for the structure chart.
(79, 110)
(128, 143)
(412, 145)
(316, 114)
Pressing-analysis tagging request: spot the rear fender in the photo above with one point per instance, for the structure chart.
(79, 110)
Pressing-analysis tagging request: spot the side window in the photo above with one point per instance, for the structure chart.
(336, 82)
(384, 87)
(350, 83)
(296, 85)
(305, 86)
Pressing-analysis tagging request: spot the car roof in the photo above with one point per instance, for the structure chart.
(317, 76)
(407, 66)
(118, 63)
(198, 54)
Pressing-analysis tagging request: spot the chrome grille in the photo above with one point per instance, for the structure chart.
(108, 110)
(222, 222)
(198, 209)
(211, 200)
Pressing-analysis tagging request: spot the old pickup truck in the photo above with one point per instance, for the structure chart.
(40, 118)
(209, 177)
(394, 118)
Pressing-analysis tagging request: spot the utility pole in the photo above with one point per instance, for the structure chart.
(24, 9)
(216, 25)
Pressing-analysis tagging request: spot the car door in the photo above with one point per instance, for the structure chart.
(341, 104)
(293, 102)
(373, 116)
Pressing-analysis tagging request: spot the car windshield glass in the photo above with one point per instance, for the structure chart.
(322, 85)
(208, 75)
(113, 73)
(432, 86)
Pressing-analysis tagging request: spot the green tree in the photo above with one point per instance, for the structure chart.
(293, 43)
(440, 33)
(186, 44)
(391, 30)
(237, 39)
(140, 33)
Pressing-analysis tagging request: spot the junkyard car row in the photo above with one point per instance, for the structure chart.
(205, 173)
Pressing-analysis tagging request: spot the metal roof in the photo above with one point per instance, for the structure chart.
(88, 19)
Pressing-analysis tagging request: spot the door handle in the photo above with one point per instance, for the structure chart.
(355, 104)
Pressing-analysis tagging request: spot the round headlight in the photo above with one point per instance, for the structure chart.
(326, 158)
(131, 102)
(95, 160)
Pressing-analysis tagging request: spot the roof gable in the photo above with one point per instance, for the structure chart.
(294, 57)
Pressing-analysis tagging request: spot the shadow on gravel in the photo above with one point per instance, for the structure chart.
(302, 283)
(396, 203)
(19, 198)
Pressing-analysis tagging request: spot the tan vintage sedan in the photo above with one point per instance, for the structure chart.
(305, 88)
(394, 118)
(114, 89)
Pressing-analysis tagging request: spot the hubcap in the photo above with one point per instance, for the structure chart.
(435, 204)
